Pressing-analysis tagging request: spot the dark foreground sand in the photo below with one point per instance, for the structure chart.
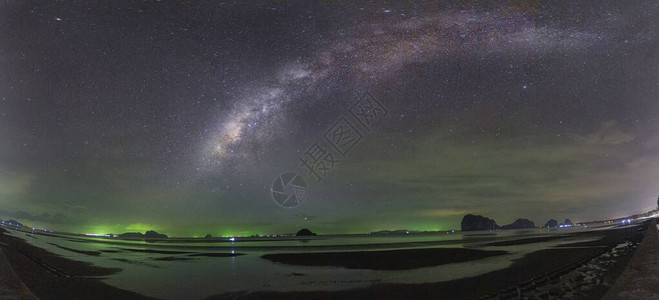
(49, 276)
(640, 280)
(11, 287)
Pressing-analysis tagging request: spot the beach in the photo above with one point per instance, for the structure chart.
(577, 265)
(48, 276)
(537, 274)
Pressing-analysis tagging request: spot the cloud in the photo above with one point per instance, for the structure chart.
(443, 212)
(139, 227)
(608, 134)
(590, 176)
(13, 184)
(43, 218)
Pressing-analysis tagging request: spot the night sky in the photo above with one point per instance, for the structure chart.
(179, 116)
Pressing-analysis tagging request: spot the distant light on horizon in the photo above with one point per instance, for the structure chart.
(97, 235)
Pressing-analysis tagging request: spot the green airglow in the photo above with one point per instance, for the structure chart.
(198, 231)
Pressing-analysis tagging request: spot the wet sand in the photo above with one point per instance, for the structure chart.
(527, 275)
(92, 253)
(384, 260)
(11, 287)
(49, 276)
(527, 241)
(640, 279)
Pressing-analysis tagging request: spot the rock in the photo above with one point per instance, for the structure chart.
(132, 235)
(475, 222)
(138, 235)
(519, 224)
(154, 235)
(305, 232)
(382, 232)
(551, 223)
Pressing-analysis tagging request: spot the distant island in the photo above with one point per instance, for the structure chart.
(553, 223)
(147, 235)
(305, 232)
(520, 224)
(477, 223)
(12, 222)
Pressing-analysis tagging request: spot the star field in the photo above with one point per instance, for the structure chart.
(179, 116)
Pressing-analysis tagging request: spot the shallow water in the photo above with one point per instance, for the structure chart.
(169, 269)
